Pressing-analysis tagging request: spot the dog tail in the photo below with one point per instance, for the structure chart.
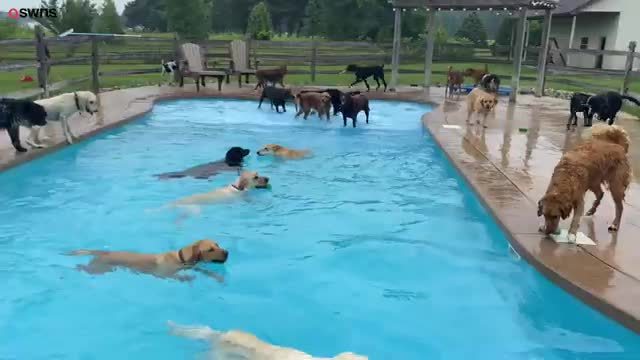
(197, 332)
(84, 252)
(611, 133)
(632, 99)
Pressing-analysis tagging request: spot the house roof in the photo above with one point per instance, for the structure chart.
(477, 4)
(571, 7)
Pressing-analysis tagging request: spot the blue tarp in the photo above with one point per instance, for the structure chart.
(503, 90)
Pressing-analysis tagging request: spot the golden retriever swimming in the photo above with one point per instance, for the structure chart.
(163, 265)
(246, 181)
(602, 159)
(236, 344)
(482, 103)
(281, 151)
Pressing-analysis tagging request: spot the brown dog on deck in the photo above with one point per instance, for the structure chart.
(163, 265)
(320, 102)
(281, 151)
(602, 159)
(476, 74)
(273, 75)
(454, 81)
(481, 103)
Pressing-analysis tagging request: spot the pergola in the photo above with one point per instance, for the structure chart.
(514, 6)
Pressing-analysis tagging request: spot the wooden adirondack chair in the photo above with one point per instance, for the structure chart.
(240, 63)
(193, 65)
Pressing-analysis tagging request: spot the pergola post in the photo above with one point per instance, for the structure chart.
(395, 56)
(571, 35)
(517, 59)
(428, 54)
(543, 54)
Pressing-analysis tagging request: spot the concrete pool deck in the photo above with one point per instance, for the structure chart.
(509, 170)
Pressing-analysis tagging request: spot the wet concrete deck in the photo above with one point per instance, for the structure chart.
(509, 169)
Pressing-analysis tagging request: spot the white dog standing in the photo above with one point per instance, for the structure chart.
(59, 108)
(236, 344)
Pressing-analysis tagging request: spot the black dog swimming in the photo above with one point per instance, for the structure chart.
(232, 162)
(336, 97)
(15, 113)
(277, 96)
(607, 105)
(579, 104)
(352, 105)
(364, 72)
(490, 82)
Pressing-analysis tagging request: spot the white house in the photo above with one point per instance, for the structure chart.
(596, 25)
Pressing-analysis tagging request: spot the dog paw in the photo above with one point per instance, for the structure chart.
(591, 212)
(572, 239)
(613, 228)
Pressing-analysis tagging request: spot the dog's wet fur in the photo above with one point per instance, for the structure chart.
(273, 76)
(232, 162)
(277, 96)
(607, 105)
(352, 105)
(336, 97)
(15, 113)
(578, 103)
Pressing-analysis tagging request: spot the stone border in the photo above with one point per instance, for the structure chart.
(572, 268)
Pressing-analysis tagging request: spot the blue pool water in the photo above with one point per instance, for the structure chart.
(374, 245)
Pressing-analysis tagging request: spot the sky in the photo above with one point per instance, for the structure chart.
(8, 4)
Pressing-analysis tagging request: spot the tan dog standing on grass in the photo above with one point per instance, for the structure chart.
(237, 344)
(162, 265)
(602, 159)
(308, 101)
(281, 151)
(481, 103)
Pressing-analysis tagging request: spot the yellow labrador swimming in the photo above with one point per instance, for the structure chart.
(246, 181)
(281, 151)
(163, 265)
(236, 344)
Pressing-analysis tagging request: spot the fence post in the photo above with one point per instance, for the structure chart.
(543, 53)
(628, 68)
(43, 64)
(177, 75)
(95, 83)
(314, 59)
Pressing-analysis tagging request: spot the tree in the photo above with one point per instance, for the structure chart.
(11, 29)
(109, 20)
(504, 32)
(188, 18)
(313, 23)
(150, 14)
(73, 14)
(259, 25)
(473, 30)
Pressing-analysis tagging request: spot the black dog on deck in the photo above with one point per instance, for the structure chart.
(277, 96)
(352, 105)
(364, 72)
(336, 97)
(232, 162)
(607, 105)
(490, 82)
(15, 113)
(579, 104)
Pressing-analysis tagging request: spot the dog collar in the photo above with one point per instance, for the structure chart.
(75, 97)
(235, 187)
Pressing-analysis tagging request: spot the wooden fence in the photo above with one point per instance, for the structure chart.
(310, 58)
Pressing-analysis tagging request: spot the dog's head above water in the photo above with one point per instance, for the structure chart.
(235, 156)
(269, 149)
(251, 179)
(203, 250)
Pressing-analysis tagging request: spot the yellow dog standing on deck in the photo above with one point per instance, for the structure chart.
(481, 102)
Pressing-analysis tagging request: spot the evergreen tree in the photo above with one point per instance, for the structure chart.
(473, 30)
(188, 18)
(504, 32)
(150, 14)
(109, 20)
(73, 14)
(259, 24)
(312, 23)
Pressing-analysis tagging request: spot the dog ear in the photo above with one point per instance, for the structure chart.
(196, 253)
(539, 208)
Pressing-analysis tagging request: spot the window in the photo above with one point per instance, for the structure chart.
(584, 43)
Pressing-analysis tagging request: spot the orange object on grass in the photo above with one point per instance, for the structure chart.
(26, 78)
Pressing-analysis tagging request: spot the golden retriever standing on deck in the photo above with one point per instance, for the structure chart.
(281, 151)
(602, 159)
(482, 103)
(163, 265)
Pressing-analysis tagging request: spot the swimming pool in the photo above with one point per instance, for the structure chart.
(374, 245)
